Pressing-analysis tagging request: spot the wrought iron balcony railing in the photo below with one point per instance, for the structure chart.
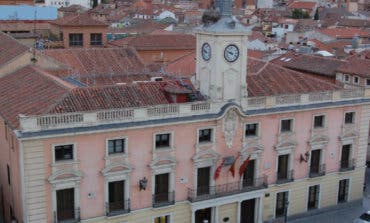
(163, 199)
(211, 192)
(117, 208)
(347, 165)
(316, 171)
(284, 177)
(70, 215)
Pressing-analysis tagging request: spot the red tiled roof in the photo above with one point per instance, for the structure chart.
(98, 60)
(10, 48)
(158, 42)
(310, 63)
(302, 5)
(356, 66)
(272, 79)
(27, 91)
(110, 97)
(83, 19)
(345, 33)
(182, 67)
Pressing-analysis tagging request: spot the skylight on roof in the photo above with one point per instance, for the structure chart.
(288, 59)
(283, 58)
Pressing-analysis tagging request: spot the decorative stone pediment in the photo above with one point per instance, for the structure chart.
(62, 176)
(163, 162)
(252, 143)
(230, 125)
(349, 131)
(286, 144)
(117, 168)
(203, 155)
(318, 140)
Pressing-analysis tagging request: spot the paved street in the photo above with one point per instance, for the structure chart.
(344, 215)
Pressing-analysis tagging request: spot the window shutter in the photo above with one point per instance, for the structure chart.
(346, 189)
(317, 197)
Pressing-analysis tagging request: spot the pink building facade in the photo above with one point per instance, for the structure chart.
(302, 141)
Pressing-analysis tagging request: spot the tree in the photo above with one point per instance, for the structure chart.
(299, 14)
(316, 16)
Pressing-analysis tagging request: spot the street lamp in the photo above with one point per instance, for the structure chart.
(286, 211)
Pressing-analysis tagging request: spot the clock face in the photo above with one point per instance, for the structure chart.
(231, 53)
(206, 51)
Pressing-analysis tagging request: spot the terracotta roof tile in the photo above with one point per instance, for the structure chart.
(356, 66)
(83, 19)
(158, 42)
(27, 91)
(302, 5)
(110, 97)
(273, 79)
(10, 48)
(182, 67)
(345, 33)
(98, 60)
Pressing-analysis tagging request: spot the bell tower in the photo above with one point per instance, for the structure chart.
(221, 53)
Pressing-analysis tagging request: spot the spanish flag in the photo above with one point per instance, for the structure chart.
(232, 168)
(218, 170)
(244, 165)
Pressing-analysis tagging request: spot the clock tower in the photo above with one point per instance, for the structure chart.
(221, 53)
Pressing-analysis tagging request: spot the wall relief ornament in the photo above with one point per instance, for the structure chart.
(229, 127)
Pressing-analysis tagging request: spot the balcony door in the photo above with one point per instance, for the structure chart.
(247, 210)
(281, 204)
(161, 187)
(343, 190)
(203, 180)
(65, 204)
(283, 166)
(315, 161)
(313, 197)
(248, 176)
(116, 196)
(202, 215)
(344, 162)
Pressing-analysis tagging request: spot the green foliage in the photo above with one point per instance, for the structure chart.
(299, 14)
(316, 16)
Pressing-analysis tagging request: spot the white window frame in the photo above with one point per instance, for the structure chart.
(125, 153)
(258, 130)
(161, 215)
(354, 118)
(346, 76)
(313, 121)
(64, 161)
(367, 79)
(308, 195)
(291, 125)
(349, 189)
(289, 193)
(115, 178)
(213, 134)
(170, 147)
(358, 80)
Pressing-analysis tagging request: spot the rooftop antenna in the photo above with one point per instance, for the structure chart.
(33, 59)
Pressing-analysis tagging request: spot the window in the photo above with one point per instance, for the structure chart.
(96, 39)
(286, 125)
(367, 82)
(281, 204)
(349, 118)
(343, 190)
(162, 219)
(251, 130)
(313, 197)
(63, 152)
(283, 172)
(346, 78)
(116, 146)
(162, 140)
(205, 135)
(8, 173)
(203, 179)
(162, 195)
(356, 80)
(319, 121)
(315, 169)
(345, 162)
(75, 39)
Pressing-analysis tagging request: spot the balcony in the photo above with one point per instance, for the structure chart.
(117, 208)
(347, 165)
(317, 171)
(286, 177)
(211, 192)
(67, 216)
(163, 199)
